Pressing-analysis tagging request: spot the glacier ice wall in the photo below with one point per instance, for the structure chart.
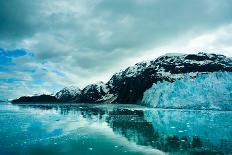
(206, 91)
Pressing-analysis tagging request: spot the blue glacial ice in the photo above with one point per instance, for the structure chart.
(206, 91)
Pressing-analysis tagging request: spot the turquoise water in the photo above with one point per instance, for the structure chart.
(112, 130)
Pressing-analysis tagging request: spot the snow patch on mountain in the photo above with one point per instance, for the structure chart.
(99, 87)
(68, 92)
(206, 91)
(133, 71)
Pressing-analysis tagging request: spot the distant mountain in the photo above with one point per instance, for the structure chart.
(68, 94)
(129, 85)
(36, 99)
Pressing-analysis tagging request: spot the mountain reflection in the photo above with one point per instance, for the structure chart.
(176, 131)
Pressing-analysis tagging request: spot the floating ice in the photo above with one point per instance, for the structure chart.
(206, 91)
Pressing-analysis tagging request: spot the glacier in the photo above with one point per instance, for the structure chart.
(205, 91)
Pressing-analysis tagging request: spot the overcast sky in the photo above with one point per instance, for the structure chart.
(48, 44)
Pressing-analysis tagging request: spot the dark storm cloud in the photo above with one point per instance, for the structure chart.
(85, 40)
(16, 19)
(106, 26)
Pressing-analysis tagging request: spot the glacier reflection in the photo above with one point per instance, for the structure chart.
(171, 131)
(193, 130)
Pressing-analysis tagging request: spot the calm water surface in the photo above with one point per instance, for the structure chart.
(112, 129)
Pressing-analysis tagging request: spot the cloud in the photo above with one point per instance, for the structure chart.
(20, 74)
(80, 42)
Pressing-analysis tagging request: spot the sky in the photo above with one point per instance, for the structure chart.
(47, 45)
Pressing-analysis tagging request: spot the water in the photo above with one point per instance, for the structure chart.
(112, 129)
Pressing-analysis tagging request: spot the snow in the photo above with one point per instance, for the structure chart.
(102, 89)
(72, 91)
(99, 86)
(133, 71)
(109, 98)
(206, 91)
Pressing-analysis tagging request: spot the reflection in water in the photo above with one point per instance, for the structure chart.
(204, 130)
(174, 131)
(131, 124)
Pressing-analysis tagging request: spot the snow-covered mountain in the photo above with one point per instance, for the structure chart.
(68, 94)
(94, 92)
(129, 85)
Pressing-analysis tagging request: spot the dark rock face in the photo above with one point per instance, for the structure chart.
(129, 85)
(34, 99)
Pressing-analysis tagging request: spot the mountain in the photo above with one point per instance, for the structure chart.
(36, 99)
(94, 93)
(68, 94)
(128, 86)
